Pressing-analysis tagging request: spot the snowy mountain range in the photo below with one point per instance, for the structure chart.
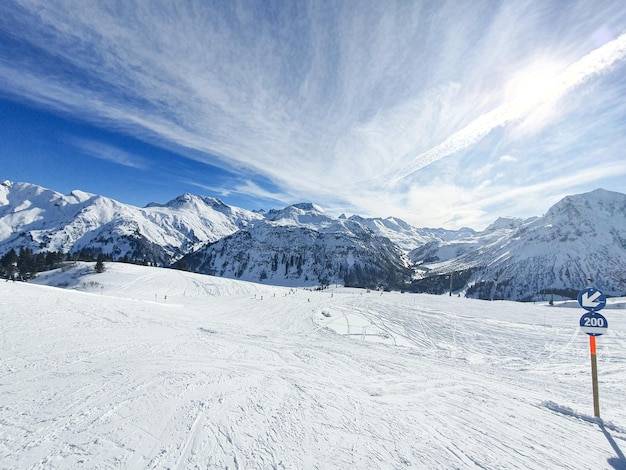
(580, 240)
(580, 237)
(302, 246)
(44, 220)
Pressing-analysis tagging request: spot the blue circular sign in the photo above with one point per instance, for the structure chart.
(593, 324)
(591, 299)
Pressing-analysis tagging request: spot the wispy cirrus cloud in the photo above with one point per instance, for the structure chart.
(246, 188)
(546, 91)
(109, 153)
(332, 103)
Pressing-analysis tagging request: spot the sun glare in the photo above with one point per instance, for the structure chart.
(532, 87)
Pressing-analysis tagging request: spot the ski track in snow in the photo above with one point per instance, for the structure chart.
(222, 374)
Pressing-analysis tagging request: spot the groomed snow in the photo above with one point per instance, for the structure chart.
(151, 368)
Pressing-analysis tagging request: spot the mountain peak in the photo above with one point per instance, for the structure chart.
(294, 210)
(81, 196)
(595, 204)
(192, 201)
(504, 223)
(308, 207)
(305, 214)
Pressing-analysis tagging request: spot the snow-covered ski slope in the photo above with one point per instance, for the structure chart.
(152, 368)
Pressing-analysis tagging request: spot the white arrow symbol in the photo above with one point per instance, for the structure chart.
(590, 301)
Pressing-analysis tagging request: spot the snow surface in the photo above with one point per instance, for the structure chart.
(144, 367)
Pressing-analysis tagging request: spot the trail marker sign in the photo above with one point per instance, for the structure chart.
(591, 299)
(593, 324)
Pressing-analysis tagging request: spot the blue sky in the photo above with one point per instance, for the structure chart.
(442, 113)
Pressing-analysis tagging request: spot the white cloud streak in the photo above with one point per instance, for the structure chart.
(590, 65)
(109, 153)
(246, 188)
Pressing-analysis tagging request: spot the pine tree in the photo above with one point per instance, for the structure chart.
(100, 263)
